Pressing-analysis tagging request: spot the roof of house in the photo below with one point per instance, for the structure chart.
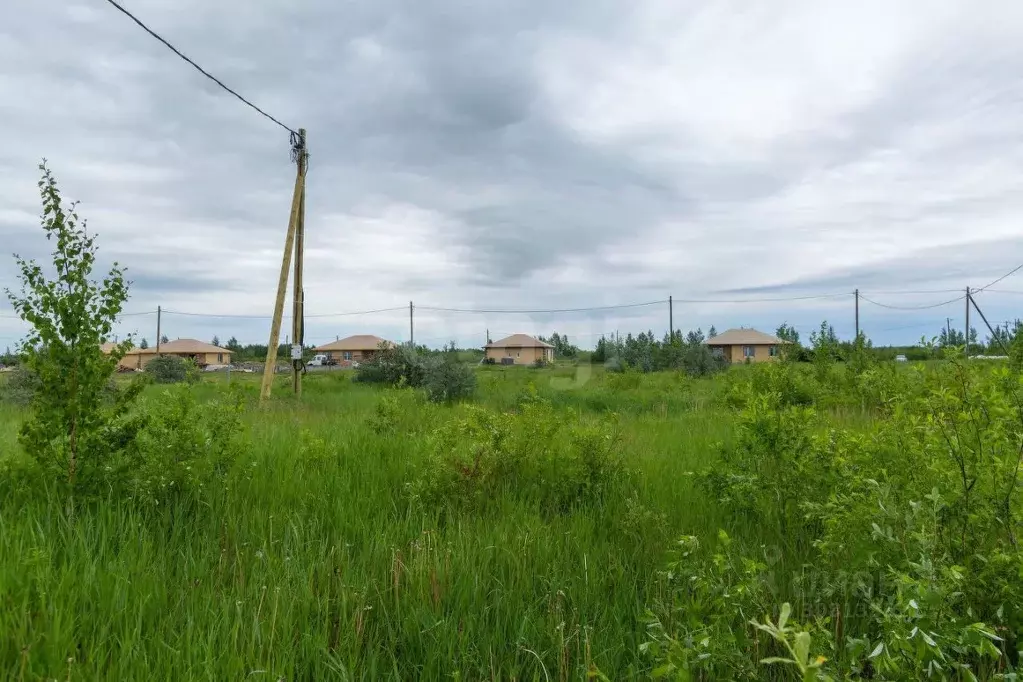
(743, 337)
(357, 342)
(518, 341)
(181, 347)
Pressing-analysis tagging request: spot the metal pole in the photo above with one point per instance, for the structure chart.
(411, 329)
(270, 367)
(159, 314)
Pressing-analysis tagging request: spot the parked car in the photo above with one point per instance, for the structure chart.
(900, 358)
(321, 361)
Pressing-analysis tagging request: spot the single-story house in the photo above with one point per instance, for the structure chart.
(518, 349)
(358, 348)
(742, 345)
(203, 354)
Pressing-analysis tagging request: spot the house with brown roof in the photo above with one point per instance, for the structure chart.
(358, 348)
(745, 345)
(201, 353)
(518, 349)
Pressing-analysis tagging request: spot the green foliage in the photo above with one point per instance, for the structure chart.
(73, 434)
(182, 445)
(168, 369)
(449, 380)
(562, 347)
(393, 365)
(19, 386)
(533, 455)
(646, 354)
(143, 344)
(908, 523)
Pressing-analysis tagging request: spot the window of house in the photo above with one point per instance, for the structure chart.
(220, 358)
(772, 351)
(347, 355)
(717, 351)
(749, 351)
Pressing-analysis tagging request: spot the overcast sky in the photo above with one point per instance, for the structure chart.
(474, 154)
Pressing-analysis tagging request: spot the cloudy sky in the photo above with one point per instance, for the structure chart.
(529, 155)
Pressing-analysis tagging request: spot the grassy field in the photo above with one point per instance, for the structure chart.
(311, 562)
(316, 557)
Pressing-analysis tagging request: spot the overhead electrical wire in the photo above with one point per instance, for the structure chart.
(197, 67)
(1009, 273)
(915, 307)
(537, 311)
(267, 317)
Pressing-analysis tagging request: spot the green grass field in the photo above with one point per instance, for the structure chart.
(314, 557)
(310, 563)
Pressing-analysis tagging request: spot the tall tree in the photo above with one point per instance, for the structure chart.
(164, 339)
(216, 340)
(143, 344)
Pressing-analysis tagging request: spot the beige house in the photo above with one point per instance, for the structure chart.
(203, 354)
(519, 349)
(745, 345)
(358, 348)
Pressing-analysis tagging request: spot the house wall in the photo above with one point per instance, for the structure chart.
(139, 361)
(762, 353)
(355, 355)
(521, 355)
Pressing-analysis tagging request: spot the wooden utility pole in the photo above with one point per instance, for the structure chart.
(159, 313)
(411, 330)
(671, 321)
(967, 322)
(298, 302)
(301, 156)
(857, 313)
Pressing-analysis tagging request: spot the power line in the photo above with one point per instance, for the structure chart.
(267, 317)
(546, 310)
(936, 305)
(197, 67)
(1010, 272)
(762, 300)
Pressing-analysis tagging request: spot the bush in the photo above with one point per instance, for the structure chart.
(447, 380)
(182, 446)
(167, 369)
(534, 455)
(905, 530)
(18, 386)
(393, 366)
(541, 363)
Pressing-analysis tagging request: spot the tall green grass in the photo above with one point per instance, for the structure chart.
(311, 562)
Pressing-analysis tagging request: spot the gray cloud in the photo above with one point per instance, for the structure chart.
(525, 155)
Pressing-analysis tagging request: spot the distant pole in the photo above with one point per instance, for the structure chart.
(671, 320)
(948, 329)
(487, 340)
(411, 328)
(159, 314)
(857, 313)
(967, 322)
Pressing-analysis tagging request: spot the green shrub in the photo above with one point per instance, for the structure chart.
(167, 369)
(18, 386)
(447, 380)
(534, 455)
(393, 366)
(182, 445)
